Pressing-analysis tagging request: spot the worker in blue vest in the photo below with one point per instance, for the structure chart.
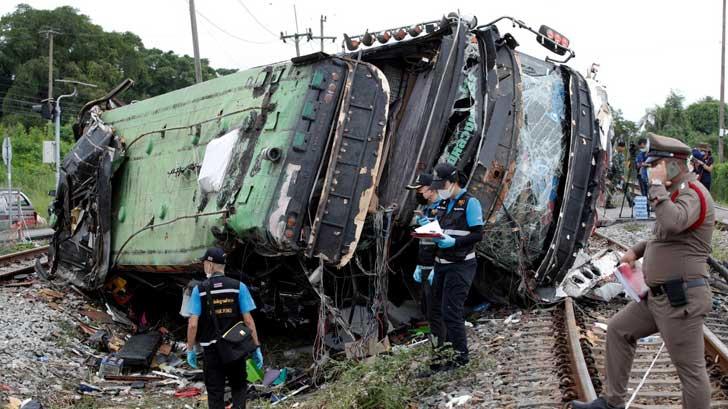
(232, 303)
(427, 212)
(461, 219)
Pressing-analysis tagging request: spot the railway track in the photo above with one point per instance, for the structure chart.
(544, 365)
(662, 388)
(721, 215)
(21, 262)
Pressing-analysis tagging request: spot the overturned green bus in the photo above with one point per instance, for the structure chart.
(298, 168)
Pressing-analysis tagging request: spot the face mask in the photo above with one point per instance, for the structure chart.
(673, 170)
(421, 199)
(444, 194)
(643, 149)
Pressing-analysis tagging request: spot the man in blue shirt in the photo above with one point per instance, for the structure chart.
(461, 219)
(231, 300)
(641, 167)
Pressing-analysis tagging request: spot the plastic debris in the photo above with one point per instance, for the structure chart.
(281, 379)
(481, 307)
(31, 404)
(270, 376)
(514, 318)
(87, 388)
(188, 392)
(254, 374)
(458, 401)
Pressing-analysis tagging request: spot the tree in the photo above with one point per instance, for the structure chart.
(670, 119)
(83, 52)
(703, 115)
(624, 129)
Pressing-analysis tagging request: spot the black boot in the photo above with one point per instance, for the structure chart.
(599, 403)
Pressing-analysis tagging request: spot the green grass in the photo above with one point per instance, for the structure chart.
(16, 247)
(388, 381)
(30, 175)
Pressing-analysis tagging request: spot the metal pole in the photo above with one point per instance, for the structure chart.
(50, 65)
(295, 39)
(322, 20)
(195, 45)
(58, 142)
(58, 136)
(721, 116)
(10, 187)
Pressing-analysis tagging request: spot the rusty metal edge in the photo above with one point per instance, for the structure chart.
(580, 371)
(24, 253)
(716, 349)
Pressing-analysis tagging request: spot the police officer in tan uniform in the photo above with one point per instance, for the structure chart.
(674, 264)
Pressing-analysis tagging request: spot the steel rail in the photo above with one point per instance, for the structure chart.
(20, 257)
(716, 349)
(579, 369)
(23, 254)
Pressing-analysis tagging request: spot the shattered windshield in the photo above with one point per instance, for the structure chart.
(528, 207)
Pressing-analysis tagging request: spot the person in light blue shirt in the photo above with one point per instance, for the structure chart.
(461, 218)
(215, 306)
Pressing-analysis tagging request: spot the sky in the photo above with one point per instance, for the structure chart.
(644, 48)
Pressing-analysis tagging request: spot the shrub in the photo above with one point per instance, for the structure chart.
(719, 187)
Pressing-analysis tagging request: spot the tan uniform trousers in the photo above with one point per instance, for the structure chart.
(682, 330)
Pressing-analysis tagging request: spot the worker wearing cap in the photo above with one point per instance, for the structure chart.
(703, 161)
(674, 265)
(232, 302)
(427, 200)
(461, 219)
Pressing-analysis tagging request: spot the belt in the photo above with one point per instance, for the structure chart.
(697, 282)
(470, 256)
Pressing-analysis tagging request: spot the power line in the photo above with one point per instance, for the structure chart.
(230, 34)
(31, 103)
(256, 19)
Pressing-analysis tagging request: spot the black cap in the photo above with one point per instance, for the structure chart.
(215, 255)
(444, 172)
(423, 179)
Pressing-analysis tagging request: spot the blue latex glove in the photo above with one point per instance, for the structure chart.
(192, 359)
(417, 275)
(422, 220)
(445, 241)
(258, 358)
(431, 276)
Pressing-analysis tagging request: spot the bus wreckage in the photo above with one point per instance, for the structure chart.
(299, 170)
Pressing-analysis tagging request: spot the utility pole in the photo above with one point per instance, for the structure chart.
(322, 37)
(297, 36)
(195, 45)
(49, 33)
(721, 116)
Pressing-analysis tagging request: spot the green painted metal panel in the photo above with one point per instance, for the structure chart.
(147, 185)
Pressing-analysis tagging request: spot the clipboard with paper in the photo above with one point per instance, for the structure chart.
(431, 230)
(633, 280)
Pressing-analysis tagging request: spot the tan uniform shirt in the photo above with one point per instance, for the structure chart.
(676, 251)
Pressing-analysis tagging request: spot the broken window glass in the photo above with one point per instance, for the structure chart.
(521, 227)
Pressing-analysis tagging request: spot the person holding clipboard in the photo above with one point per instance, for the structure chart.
(461, 218)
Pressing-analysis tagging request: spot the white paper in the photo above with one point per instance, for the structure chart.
(430, 228)
(216, 160)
